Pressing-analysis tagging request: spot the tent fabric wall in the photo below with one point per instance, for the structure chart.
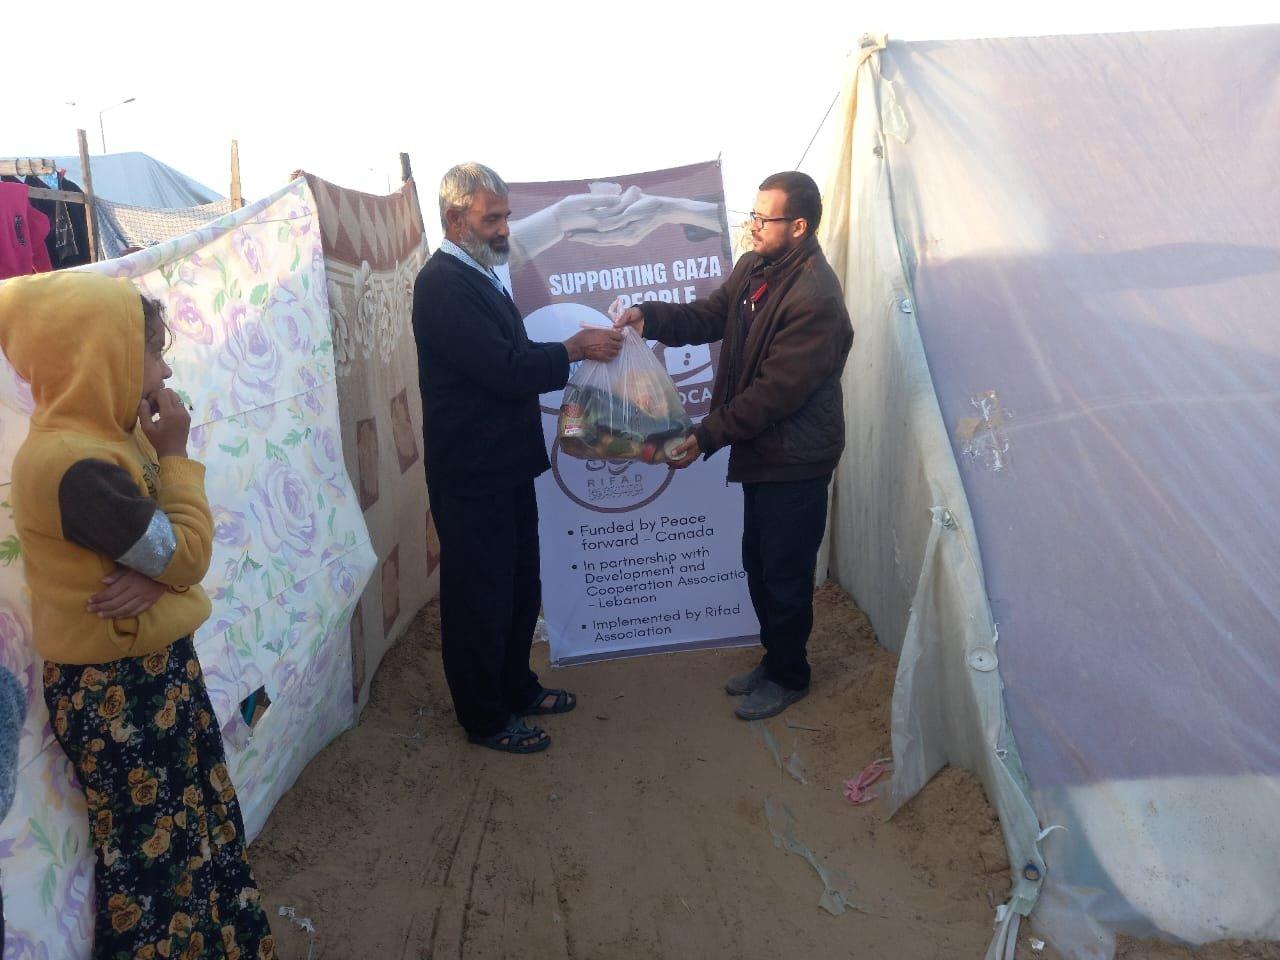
(901, 536)
(123, 225)
(1083, 388)
(139, 179)
(247, 301)
(374, 248)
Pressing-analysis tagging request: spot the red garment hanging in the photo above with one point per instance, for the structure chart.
(23, 229)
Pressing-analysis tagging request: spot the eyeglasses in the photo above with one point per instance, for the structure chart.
(758, 221)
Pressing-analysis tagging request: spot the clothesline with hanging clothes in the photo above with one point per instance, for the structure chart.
(43, 229)
(27, 169)
(23, 230)
(25, 166)
(71, 229)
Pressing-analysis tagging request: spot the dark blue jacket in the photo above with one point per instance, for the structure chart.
(480, 376)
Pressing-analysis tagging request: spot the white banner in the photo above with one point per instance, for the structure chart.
(636, 558)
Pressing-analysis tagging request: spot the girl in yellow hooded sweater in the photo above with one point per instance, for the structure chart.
(116, 536)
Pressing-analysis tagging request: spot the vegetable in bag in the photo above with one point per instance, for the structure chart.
(626, 409)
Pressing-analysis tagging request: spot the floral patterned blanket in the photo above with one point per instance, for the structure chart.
(254, 355)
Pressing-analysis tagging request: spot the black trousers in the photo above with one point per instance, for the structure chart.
(782, 528)
(490, 592)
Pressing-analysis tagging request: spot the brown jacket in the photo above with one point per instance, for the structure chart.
(776, 402)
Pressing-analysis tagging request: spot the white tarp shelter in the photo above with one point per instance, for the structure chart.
(139, 180)
(1062, 257)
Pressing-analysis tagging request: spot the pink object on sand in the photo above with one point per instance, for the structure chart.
(856, 790)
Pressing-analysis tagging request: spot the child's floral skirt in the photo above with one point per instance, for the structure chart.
(172, 875)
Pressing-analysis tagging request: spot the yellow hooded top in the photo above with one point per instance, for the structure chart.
(86, 489)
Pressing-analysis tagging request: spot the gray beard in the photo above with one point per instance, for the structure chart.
(482, 253)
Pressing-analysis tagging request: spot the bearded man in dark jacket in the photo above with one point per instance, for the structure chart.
(480, 377)
(778, 406)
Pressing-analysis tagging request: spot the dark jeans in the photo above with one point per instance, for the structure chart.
(490, 592)
(782, 528)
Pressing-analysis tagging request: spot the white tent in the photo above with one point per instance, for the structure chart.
(139, 180)
(1062, 256)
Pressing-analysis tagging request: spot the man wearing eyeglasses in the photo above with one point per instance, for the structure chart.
(777, 404)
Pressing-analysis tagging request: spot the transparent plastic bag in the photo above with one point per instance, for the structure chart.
(626, 409)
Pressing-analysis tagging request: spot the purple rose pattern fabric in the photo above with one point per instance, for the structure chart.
(253, 355)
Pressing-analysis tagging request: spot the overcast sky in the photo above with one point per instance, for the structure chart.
(555, 90)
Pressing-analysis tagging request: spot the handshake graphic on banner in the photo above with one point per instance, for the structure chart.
(607, 215)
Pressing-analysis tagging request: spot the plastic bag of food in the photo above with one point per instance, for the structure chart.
(626, 409)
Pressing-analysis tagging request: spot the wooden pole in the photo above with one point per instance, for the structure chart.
(237, 201)
(406, 173)
(25, 166)
(66, 196)
(87, 176)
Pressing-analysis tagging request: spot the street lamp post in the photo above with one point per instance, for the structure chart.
(101, 129)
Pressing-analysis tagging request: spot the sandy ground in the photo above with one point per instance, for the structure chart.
(642, 832)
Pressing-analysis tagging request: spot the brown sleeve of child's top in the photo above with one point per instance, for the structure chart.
(102, 508)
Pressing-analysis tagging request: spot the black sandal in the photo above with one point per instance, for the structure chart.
(516, 737)
(563, 703)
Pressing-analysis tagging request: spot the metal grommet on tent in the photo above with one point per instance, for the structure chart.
(906, 306)
(983, 659)
(1031, 872)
